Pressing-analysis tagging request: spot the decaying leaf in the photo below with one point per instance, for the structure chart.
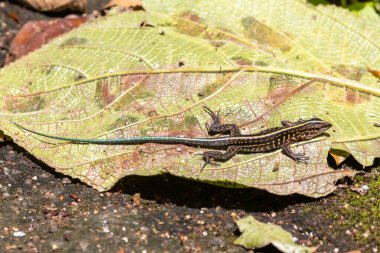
(116, 77)
(56, 5)
(256, 234)
(124, 3)
(36, 33)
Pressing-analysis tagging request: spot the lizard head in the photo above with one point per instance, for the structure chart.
(312, 128)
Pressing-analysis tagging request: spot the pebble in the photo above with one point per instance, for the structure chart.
(66, 180)
(217, 242)
(365, 188)
(144, 229)
(19, 234)
(28, 181)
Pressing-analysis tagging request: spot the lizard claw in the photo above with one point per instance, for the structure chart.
(301, 158)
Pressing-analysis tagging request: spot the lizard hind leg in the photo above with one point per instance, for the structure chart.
(210, 156)
(217, 127)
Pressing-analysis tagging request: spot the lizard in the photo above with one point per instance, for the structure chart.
(233, 141)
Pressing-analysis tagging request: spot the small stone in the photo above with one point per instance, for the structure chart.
(28, 181)
(106, 229)
(217, 242)
(53, 227)
(6, 171)
(204, 233)
(15, 172)
(144, 229)
(125, 239)
(134, 211)
(84, 245)
(19, 234)
(66, 180)
(365, 188)
(336, 250)
(54, 246)
(34, 178)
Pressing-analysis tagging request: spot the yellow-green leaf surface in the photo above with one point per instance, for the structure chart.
(150, 72)
(256, 234)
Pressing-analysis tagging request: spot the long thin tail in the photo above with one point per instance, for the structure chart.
(201, 142)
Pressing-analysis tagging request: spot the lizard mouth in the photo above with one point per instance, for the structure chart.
(325, 126)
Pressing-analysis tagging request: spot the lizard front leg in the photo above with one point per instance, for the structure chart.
(296, 157)
(210, 156)
(217, 127)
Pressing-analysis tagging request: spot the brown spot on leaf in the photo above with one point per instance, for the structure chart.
(278, 94)
(351, 97)
(190, 23)
(265, 35)
(241, 61)
(350, 71)
(190, 16)
(132, 160)
(355, 97)
(107, 98)
(131, 80)
(23, 103)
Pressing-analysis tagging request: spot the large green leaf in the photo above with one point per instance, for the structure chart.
(150, 72)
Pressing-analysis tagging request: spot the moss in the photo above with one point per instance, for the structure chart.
(350, 213)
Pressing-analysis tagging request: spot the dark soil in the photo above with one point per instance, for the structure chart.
(43, 211)
(162, 213)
